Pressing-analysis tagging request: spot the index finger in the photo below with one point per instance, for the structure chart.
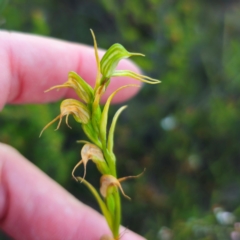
(31, 64)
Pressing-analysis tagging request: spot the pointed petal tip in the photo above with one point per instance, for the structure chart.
(137, 54)
(55, 87)
(74, 169)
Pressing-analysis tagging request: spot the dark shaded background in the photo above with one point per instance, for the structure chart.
(185, 131)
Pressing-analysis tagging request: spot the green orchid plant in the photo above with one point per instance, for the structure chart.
(94, 121)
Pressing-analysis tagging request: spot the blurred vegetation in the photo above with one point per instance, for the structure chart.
(185, 131)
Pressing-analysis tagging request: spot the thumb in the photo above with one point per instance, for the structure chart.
(33, 206)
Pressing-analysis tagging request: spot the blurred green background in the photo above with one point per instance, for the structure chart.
(185, 131)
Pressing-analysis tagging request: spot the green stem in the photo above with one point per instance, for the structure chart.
(117, 219)
(110, 159)
(90, 134)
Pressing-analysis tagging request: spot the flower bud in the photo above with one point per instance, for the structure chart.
(91, 152)
(79, 111)
(83, 90)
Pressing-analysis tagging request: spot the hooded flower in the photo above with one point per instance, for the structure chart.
(79, 111)
(111, 59)
(107, 65)
(83, 90)
(94, 153)
(108, 183)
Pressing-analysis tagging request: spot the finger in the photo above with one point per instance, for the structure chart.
(32, 206)
(31, 64)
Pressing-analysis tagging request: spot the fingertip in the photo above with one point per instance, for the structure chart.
(31, 64)
(5, 150)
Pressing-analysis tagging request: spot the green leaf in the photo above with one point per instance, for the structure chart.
(101, 203)
(104, 118)
(112, 129)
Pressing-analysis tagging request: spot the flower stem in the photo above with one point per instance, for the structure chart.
(117, 219)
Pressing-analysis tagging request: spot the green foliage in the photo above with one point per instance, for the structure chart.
(185, 132)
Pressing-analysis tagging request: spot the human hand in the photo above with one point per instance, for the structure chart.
(33, 206)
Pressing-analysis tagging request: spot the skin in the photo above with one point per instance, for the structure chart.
(32, 205)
